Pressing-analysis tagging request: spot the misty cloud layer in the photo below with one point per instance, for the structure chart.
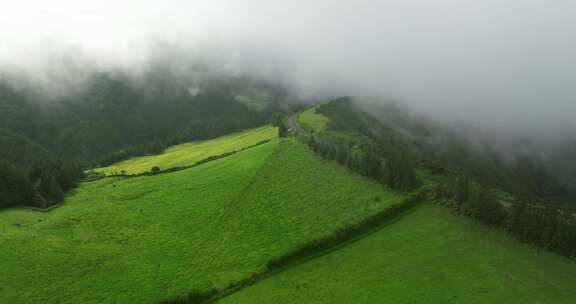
(498, 63)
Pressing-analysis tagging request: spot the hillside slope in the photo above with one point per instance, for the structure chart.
(112, 112)
(440, 147)
(122, 240)
(189, 153)
(430, 256)
(312, 120)
(147, 239)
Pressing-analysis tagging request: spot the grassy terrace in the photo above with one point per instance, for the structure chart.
(147, 239)
(312, 120)
(189, 153)
(430, 256)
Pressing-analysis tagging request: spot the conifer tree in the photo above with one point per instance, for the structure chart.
(399, 173)
(50, 188)
(462, 191)
(282, 131)
(4, 191)
(276, 119)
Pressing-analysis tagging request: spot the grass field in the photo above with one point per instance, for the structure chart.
(430, 256)
(312, 120)
(147, 239)
(189, 153)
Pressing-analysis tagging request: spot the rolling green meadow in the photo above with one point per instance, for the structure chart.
(152, 238)
(429, 256)
(313, 121)
(189, 153)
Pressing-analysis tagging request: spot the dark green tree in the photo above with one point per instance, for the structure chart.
(485, 206)
(399, 172)
(282, 131)
(50, 189)
(276, 120)
(462, 189)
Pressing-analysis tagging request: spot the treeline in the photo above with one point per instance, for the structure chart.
(129, 152)
(443, 149)
(112, 117)
(471, 199)
(536, 222)
(392, 168)
(42, 185)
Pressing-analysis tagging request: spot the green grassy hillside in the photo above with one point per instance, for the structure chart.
(189, 153)
(146, 239)
(430, 256)
(312, 120)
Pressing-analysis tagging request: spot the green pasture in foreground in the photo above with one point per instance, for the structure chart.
(151, 238)
(189, 153)
(312, 120)
(429, 256)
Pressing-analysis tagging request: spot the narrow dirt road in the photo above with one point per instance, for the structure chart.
(293, 124)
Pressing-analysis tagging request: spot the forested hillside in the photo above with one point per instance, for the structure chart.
(45, 141)
(518, 196)
(438, 148)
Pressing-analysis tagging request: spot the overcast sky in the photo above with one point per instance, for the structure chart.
(513, 61)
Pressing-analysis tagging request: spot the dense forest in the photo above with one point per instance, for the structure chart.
(45, 142)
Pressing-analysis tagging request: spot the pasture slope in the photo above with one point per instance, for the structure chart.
(313, 121)
(153, 238)
(189, 153)
(430, 256)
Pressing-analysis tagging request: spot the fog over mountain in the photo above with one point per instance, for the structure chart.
(505, 65)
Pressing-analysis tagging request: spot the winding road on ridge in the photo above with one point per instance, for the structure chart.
(295, 126)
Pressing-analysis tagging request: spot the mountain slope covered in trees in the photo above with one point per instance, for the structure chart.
(46, 140)
(438, 148)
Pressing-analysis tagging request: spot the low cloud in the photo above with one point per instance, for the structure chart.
(504, 65)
